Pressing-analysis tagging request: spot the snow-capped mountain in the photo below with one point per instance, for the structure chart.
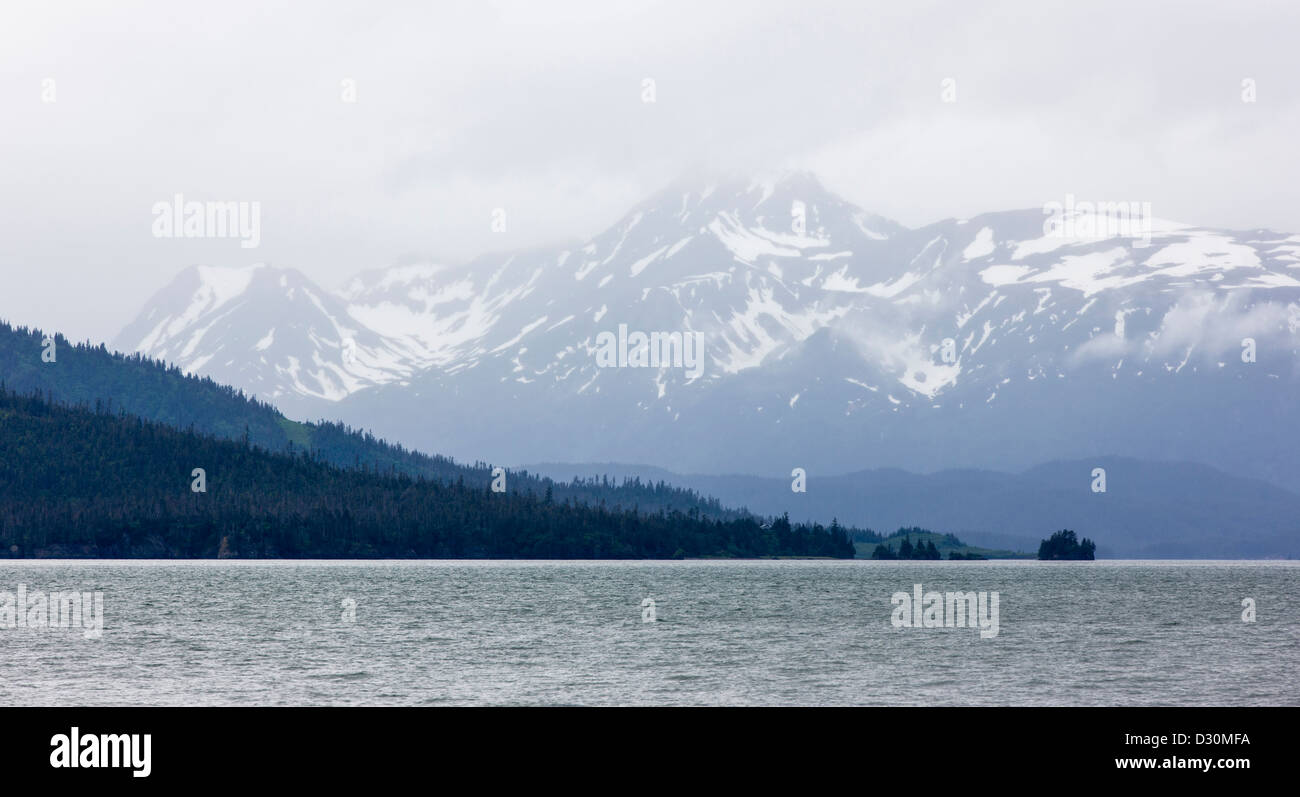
(269, 331)
(833, 340)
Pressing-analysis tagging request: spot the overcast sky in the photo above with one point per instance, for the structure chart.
(537, 108)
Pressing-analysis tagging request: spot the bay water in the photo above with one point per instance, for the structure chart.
(783, 632)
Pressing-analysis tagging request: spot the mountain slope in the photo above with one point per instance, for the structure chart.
(94, 377)
(210, 321)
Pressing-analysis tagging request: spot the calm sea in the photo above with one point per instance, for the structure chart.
(729, 633)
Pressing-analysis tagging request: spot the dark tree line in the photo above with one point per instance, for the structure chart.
(922, 550)
(87, 481)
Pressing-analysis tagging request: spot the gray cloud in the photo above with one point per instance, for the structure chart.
(535, 108)
(1204, 326)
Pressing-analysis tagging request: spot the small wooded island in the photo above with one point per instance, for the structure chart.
(1065, 545)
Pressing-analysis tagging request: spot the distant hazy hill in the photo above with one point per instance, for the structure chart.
(1149, 509)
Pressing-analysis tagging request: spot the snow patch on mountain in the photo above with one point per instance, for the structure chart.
(982, 246)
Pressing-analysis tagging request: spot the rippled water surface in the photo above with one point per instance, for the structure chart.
(544, 633)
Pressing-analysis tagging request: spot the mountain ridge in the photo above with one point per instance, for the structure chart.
(997, 341)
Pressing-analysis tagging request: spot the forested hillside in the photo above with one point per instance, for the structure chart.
(84, 374)
(75, 482)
